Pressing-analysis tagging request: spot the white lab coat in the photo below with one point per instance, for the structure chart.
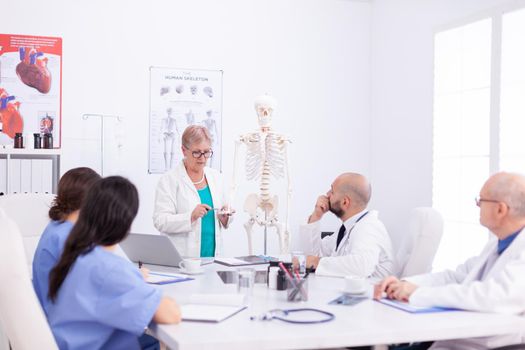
(175, 199)
(366, 252)
(501, 290)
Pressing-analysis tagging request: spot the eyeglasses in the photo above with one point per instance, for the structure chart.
(199, 154)
(478, 201)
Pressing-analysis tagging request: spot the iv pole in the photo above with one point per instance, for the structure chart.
(102, 117)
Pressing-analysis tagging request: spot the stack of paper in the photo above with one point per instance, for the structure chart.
(212, 307)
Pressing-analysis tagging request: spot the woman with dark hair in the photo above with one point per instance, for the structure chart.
(98, 299)
(72, 188)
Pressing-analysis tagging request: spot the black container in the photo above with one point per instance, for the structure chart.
(48, 140)
(282, 284)
(19, 140)
(37, 141)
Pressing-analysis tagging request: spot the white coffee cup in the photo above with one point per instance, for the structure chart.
(355, 285)
(190, 264)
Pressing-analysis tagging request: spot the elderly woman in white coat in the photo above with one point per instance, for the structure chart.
(189, 205)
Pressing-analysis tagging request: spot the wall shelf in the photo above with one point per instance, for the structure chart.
(9, 154)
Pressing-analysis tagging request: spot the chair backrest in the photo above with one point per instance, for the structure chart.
(21, 315)
(417, 251)
(30, 212)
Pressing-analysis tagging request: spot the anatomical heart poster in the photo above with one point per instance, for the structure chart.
(30, 87)
(180, 98)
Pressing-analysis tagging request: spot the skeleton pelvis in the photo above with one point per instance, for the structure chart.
(254, 201)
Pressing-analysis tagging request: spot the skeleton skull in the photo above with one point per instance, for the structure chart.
(264, 106)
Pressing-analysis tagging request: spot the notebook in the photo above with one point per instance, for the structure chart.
(414, 309)
(212, 307)
(166, 278)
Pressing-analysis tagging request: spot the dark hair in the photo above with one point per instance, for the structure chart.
(105, 219)
(72, 189)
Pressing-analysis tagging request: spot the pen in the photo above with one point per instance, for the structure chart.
(140, 264)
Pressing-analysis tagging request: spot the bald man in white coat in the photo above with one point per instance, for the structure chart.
(362, 247)
(494, 281)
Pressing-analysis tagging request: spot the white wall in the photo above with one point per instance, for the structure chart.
(313, 56)
(402, 90)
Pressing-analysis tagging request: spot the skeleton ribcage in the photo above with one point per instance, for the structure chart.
(264, 159)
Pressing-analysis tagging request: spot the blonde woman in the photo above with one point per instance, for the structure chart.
(189, 204)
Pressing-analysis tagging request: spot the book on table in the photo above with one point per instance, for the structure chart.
(212, 307)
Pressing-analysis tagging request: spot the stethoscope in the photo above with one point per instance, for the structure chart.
(350, 231)
(281, 315)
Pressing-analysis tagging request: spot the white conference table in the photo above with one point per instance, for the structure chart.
(367, 323)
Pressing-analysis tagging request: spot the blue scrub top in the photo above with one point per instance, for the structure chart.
(47, 253)
(104, 303)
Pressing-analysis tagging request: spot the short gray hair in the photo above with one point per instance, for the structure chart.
(510, 189)
(195, 134)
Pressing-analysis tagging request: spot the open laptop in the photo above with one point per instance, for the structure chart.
(153, 249)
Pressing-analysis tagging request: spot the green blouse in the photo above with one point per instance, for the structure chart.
(207, 225)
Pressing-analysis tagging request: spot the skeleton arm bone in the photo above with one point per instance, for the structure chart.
(233, 188)
(289, 189)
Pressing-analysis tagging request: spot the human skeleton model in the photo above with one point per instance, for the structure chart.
(266, 157)
(169, 131)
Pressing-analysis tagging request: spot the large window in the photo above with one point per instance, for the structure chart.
(479, 123)
(512, 115)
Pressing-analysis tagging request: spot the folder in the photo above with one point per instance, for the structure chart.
(413, 309)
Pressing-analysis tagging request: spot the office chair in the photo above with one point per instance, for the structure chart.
(421, 242)
(21, 315)
(30, 212)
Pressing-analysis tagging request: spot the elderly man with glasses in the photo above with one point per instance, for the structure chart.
(494, 281)
(189, 202)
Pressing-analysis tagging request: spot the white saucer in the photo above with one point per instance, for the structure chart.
(194, 272)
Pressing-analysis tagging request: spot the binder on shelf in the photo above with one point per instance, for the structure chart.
(3, 176)
(14, 169)
(36, 175)
(25, 175)
(47, 176)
